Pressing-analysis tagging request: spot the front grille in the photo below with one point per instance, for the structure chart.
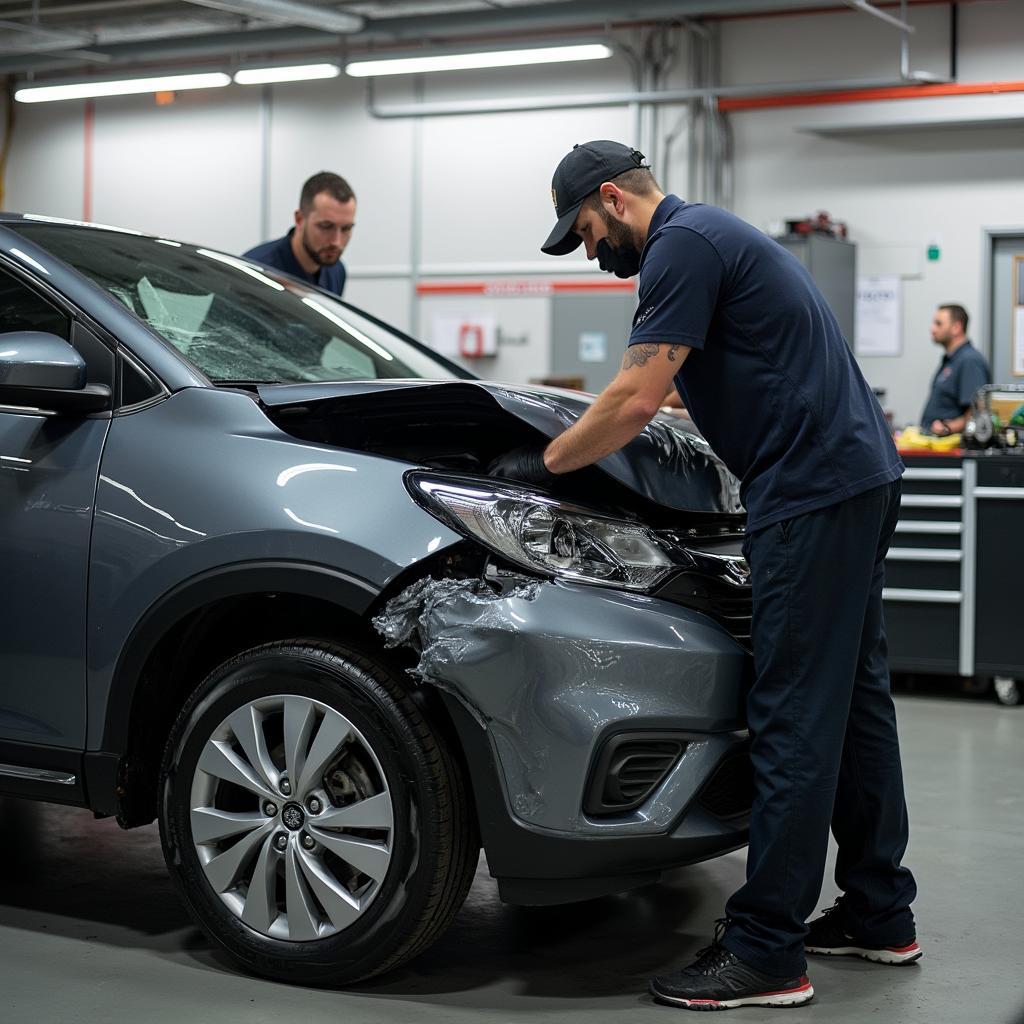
(628, 769)
(730, 604)
(729, 793)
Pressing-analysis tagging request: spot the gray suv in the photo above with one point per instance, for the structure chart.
(259, 586)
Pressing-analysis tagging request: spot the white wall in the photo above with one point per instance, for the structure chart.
(897, 190)
(186, 171)
(897, 195)
(480, 207)
(45, 166)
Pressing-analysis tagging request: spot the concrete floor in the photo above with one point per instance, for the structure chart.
(91, 931)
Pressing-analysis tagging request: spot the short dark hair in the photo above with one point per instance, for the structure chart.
(333, 184)
(956, 313)
(638, 180)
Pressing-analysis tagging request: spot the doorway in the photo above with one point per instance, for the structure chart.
(1005, 295)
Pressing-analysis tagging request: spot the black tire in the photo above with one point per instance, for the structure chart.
(434, 845)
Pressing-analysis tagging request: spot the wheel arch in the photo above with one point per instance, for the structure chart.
(182, 636)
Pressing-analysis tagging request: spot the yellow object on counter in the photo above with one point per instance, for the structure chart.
(914, 437)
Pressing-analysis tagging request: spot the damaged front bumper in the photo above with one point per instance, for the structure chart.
(555, 688)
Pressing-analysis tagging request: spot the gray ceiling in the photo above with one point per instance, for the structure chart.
(72, 38)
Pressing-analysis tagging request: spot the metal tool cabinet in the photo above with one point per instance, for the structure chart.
(955, 569)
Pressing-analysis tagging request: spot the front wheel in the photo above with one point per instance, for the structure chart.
(316, 826)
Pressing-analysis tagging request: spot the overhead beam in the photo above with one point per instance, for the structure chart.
(288, 12)
(450, 108)
(85, 7)
(863, 5)
(32, 37)
(449, 28)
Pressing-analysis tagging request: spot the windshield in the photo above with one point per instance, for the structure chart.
(232, 318)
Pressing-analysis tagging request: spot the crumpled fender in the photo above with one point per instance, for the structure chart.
(546, 669)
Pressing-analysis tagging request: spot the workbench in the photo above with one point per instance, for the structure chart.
(954, 594)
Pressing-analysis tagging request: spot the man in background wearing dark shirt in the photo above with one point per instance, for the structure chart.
(738, 326)
(963, 370)
(311, 251)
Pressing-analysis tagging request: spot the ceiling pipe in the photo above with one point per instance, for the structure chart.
(905, 72)
(425, 30)
(288, 12)
(900, 22)
(89, 7)
(954, 40)
(615, 99)
(594, 14)
(922, 85)
(43, 37)
(208, 47)
(715, 97)
(808, 11)
(32, 40)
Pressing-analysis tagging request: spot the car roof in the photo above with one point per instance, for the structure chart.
(7, 217)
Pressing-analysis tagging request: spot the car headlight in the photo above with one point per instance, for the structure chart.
(544, 535)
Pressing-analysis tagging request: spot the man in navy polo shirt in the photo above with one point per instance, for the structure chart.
(311, 251)
(737, 325)
(963, 370)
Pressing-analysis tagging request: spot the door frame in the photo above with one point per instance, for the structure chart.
(989, 237)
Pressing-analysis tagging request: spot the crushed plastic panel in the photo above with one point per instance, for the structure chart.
(423, 615)
(547, 669)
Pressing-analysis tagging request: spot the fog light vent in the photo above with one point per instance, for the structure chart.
(729, 793)
(629, 767)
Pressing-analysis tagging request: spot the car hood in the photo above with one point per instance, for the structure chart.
(668, 462)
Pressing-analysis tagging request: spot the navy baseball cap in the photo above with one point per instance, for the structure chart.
(583, 171)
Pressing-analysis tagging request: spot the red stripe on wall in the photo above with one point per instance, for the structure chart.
(595, 286)
(729, 104)
(518, 289)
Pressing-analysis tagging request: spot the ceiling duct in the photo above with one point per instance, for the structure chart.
(305, 30)
(16, 37)
(288, 12)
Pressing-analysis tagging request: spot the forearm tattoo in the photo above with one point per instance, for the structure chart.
(640, 355)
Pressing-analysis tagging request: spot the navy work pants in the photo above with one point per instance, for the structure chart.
(823, 732)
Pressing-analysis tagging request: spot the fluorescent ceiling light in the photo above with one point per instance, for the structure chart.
(297, 73)
(487, 59)
(123, 87)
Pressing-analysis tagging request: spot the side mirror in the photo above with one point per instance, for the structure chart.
(42, 371)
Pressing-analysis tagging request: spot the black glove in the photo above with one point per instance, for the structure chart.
(524, 464)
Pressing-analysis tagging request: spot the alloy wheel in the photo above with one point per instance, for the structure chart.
(291, 818)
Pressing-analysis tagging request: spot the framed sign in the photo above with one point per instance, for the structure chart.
(879, 316)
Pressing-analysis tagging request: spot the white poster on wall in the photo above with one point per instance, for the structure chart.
(469, 336)
(879, 316)
(593, 347)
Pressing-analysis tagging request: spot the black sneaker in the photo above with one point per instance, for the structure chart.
(720, 980)
(828, 936)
